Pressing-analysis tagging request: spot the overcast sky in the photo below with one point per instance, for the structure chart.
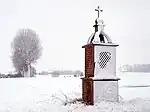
(65, 25)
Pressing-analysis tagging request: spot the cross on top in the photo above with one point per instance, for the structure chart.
(98, 10)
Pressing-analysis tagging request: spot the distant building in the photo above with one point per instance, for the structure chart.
(55, 74)
(135, 68)
(44, 73)
(67, 73)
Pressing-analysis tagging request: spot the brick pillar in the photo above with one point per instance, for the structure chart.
(87, 82)
(87, 91)
(89, 60)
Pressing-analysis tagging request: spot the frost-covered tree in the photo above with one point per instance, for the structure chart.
(26, 50)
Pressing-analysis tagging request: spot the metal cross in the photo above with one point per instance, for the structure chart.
(99, 10)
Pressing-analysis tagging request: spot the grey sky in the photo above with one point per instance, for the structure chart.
(65, 25)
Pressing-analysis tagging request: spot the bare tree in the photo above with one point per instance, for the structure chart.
(26, 50)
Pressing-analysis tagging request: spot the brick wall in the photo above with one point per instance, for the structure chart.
(87, 91)
(89, 61)
(87, 82)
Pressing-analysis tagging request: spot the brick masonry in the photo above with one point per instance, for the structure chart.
(87, 82)
(87, 91)
(89, 60)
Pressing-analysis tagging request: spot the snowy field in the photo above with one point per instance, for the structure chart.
(46, 94)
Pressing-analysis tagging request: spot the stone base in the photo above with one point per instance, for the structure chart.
(94, 90)
(105, 90)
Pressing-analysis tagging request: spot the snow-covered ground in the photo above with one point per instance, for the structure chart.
(46, 94)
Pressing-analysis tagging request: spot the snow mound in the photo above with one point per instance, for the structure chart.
(135, 105)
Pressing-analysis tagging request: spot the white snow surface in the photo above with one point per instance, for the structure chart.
(45, 94)
(107, 76)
